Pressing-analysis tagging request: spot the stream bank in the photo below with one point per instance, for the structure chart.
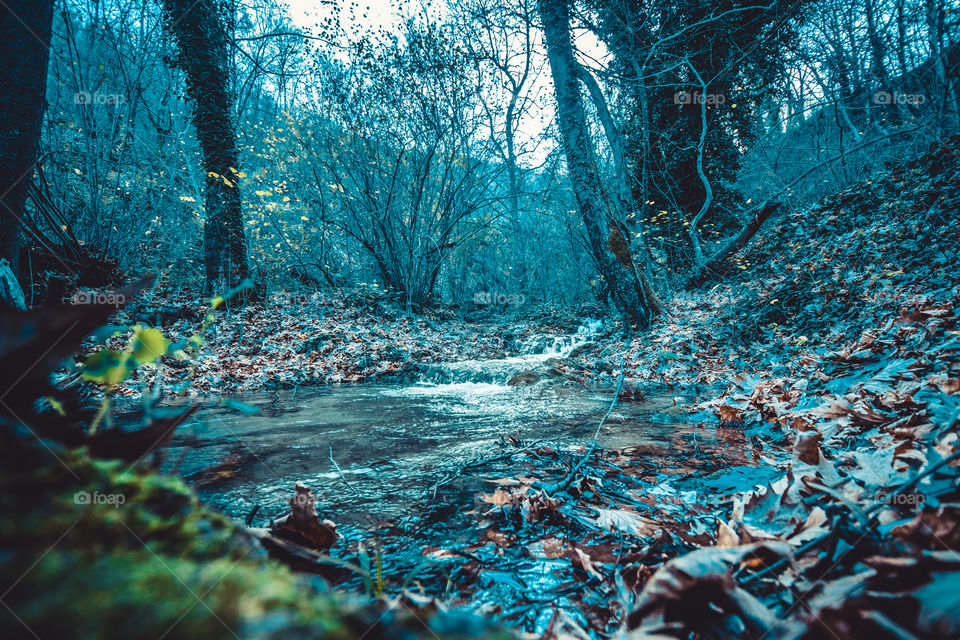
(831, 510)
(408, 472)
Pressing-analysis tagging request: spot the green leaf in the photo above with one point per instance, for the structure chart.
(148, 344)
(56, 405)
(107, 366)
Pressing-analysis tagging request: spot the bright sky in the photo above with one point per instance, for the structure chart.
(358, 16)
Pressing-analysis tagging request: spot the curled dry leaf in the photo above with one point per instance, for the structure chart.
(729, 415)
(626, 522)
(727, 536)
(583, 560)
(302, 525)
(689, 589)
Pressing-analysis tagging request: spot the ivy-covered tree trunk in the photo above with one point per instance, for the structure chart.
(24, 53)
(607, 242)
(202, 39)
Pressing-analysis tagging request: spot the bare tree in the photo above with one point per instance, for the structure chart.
(399, 156)
(608, 242)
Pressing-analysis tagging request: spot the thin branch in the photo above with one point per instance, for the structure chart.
(337, 467)
(573, 472)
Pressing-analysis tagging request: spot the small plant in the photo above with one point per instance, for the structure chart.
(110, 367)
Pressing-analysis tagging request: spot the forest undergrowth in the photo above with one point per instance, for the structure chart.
(845, 380)
(829, 359)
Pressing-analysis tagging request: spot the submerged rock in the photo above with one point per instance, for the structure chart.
(524, 378)
(580, 349)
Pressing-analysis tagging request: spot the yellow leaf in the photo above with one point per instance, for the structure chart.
(148, 344)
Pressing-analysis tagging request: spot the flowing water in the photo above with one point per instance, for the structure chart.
(411, 458)
(393, 443)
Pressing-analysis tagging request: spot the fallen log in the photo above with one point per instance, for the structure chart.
(712, 266)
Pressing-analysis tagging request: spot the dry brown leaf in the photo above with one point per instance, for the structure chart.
(949, 385)
(729, 415)
(499, 538)
(586, 564)
(498, 498)
(626, 522)
(302, 525)
(726, 536)
(552, 548)
(807, 448)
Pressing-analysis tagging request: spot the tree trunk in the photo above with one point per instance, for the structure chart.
(712, 266)
(200, 33)
(628, 213)
(24, 52)
(877, 68)
(607, 242)
(934, 14)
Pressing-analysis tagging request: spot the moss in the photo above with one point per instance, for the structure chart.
(156, 563)
(105, 506)
(136, 594)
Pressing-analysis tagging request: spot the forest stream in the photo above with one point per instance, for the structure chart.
(412, 458)
(507, 320)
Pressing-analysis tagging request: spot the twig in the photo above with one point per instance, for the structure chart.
(474, 465)
(596, 435)
(506, 456)
(337, 467)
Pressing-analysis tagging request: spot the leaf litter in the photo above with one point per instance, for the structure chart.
(823, 504)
